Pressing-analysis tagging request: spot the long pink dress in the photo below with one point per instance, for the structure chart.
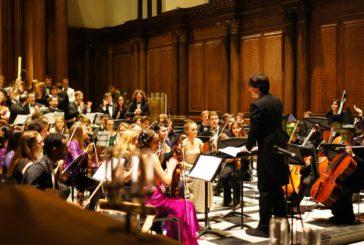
(180, 208)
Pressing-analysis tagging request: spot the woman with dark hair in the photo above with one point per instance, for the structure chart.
(139, 105)
(120, 108)
(29, 150)
(13, 141)
(183, 209)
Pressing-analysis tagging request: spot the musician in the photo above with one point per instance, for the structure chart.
(4, 110)
(121, 109)
(41, 96)
(192, 148)
(76, 147)
(230, 178)
(62, 97)
(78, 106)
(41, 174)
(266, 130)
(145, 122)
(59, 126)
(68, 90)
(204, 125)
(108, 106)
(139, 105)
(111, 132)
(342, 209)
(32, 106)
(183, 209)
(346, 115)
(18, 108)
(28, 150)
(53, 106)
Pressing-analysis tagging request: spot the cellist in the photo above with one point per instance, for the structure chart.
(342, 209)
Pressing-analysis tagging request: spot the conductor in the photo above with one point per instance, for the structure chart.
(266, 130)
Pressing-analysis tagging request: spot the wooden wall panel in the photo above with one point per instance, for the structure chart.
(251, 58)
(273, 61)
(215, 92)
(124, 72)
(153, 67)
(353, 65)
(324, 71)
(196, 78)
(167, 78)
(99, 76)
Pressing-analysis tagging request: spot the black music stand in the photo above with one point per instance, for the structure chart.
(72, 165)
(238, 143)
(322, 122)
(199, 171)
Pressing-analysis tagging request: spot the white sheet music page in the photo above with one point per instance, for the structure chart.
(231, 151)
(101, 172)
(205, 168)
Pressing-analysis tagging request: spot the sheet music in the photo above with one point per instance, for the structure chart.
(231, 151)
(102, 174)
(21, 119)
(205, 168)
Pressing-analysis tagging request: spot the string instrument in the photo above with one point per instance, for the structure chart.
(177, 154)
(295, 179)
(342, 101)
(211, 145)
(327, 187)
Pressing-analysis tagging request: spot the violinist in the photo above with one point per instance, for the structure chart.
(181, 208)
(342, 209)
(59, 126)
(230, 178)
(204, 125)
(191, 148)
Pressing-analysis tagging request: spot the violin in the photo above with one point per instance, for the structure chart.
(177, 154)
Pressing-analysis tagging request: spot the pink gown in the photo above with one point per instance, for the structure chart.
(176, 207)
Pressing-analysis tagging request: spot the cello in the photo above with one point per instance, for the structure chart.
(326, 189)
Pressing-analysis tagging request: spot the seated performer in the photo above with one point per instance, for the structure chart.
(342, 209)
(183, 209)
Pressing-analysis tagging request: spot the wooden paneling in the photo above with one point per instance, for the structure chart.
(250, 57)
(196, 77)
(215, 84)
(324, 72)
(124, 73)
(273, 61)
(353, 61)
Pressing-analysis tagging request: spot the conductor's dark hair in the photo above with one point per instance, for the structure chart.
(260, 81)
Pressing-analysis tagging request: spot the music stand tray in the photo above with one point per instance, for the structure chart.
(199, 171)
(21, 119)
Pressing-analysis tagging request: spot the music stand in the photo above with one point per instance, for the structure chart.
(236, 143)
(118, 121)
(73, 164)
(203, 138)
(200, 172)
(21, 119)
(323, 123)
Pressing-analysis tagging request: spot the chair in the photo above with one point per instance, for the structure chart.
(172, 219)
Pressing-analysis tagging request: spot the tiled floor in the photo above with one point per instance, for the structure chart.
(314, 217)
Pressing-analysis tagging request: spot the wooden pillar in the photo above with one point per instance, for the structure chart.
(235, 88)
(35, 39)
(1, 38)
(182, 93)
(149, 8)
(140, 9)
(110, 65)
(159, 7)
(61, 41)
(303, 99)
(142, 64)
(225, 63)
(136, 57)
(86, 71)
(289, 61)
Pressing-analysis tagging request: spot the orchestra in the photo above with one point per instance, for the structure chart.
(77, 140)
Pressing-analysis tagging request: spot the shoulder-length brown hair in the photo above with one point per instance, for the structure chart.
(25, 149)
(139, 91)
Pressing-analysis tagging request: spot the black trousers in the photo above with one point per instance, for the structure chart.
(271, 199)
